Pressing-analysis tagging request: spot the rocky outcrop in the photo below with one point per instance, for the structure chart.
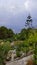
(22, 61)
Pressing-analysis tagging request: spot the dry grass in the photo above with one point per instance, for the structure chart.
(30, 62)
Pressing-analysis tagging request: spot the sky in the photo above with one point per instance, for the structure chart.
(13, 13)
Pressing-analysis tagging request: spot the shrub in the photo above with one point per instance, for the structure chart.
(18, 54)
(4, 48)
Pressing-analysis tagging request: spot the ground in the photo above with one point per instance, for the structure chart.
(22, 61)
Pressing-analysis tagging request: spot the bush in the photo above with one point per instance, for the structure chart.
(4, 48)
(18, 54)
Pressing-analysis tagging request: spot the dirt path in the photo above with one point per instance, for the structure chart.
(22, 61)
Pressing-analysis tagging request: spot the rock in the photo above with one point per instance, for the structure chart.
(9, 55)
(30, 52)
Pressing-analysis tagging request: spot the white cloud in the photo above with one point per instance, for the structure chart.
(7, 5)
(11, 5)
(30, 6)
(26, 4)
(16, 6)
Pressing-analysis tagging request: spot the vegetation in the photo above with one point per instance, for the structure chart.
(6, 34)
(4, 48)
(25, 41)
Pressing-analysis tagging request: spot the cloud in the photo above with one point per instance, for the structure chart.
(16, 6)
(30, 5)
(11, 5)
(13, 13)
(6, 5)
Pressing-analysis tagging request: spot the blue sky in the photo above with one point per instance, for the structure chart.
(13, 13)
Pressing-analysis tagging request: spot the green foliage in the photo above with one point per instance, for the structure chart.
(28, 37)
(23, 34)
(28, 42)
(4, 48)
(6, 33)
(35, 54)
(18, 54)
